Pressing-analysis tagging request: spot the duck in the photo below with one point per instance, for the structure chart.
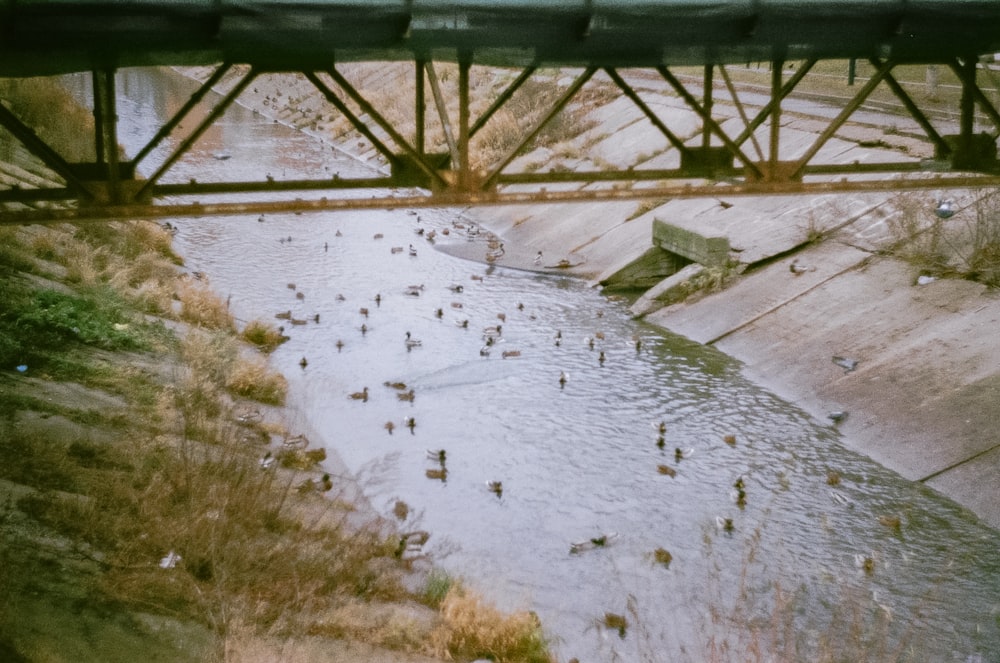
(364, 329)
(361, 395)
(725, 524)
(864, 562)
(667, 470)
(325, 483)
(411, 543)
(413, 251)
(492, 331)
(892, 522)
(638, 343)
(303, 362)
(389, 426)
(440, 474)
(363, 311)
(339, 344)
(396, 249)
(284, 315)
(410, 423)
(296, 442)
(300, 295)
(290, 286)
(412, 342)
(601, 358)
(832, 478)
(408, 396)
(599, 541)
(510, 353)
(456, 287)
(401, 386)
(267, 461)
(681, 454)
(563, 378)
(297, 322)
(340, 297)
(464, 324)
(729, 439)
(378, 236)
(439, 313)
(414, 290)
(250, 417)
(663, 556)
(660, 427)
(437, 454)
(378, 299)
(661, 441)
(495, 487)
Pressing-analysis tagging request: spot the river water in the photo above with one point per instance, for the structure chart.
(578, 461)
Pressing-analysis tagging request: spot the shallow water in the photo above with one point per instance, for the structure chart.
(577, 461)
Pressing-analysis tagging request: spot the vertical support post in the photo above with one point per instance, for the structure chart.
(967, 104)
(419, 107)
(106, 131)
(777, 65)
(852, 70)
(706, 134)
(464, 173)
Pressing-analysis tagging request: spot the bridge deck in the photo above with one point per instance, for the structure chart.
(57, 36)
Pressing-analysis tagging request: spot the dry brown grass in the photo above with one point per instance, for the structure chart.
(251, 378)
(470, 628)
(263, 334)
(202, 307)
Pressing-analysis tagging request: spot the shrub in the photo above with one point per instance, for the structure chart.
(253, 379)
(264, 335)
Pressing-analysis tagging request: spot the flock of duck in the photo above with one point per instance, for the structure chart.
(492, 335)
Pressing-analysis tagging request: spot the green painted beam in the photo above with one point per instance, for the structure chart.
(56, 36)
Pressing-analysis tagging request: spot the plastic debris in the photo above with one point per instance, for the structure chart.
(170, 560)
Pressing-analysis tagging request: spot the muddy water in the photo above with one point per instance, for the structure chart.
(577, 461)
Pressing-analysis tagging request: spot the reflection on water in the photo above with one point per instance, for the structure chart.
(581, 460)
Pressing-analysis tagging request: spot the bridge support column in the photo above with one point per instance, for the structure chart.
(106, 133)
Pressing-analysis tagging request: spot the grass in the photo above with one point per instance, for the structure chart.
(263, 334)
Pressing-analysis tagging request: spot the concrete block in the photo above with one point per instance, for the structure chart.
(709, 251)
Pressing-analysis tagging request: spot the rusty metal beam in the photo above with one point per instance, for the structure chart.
(570, 92)
(386, 126)
(707, 119)
(984, 103)
(186, 144)
(502, 99)
(442, 110)
(844, 114)
(776, 100)
(183, 111)
(355, 121)
(465, 199)
(939, 143)
(647, 111)
(740, 109)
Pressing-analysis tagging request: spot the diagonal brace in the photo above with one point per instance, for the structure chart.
(940, 145)
(535, 130)
(881, 72)
(179, 116)
(385, 125)
(210, 119)
(775, 101)
(42, 150)
(710, 123)
(502, 99)
(647, 111)
(981, 99)
(355, 121)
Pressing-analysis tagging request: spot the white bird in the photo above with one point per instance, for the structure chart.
(945, 209)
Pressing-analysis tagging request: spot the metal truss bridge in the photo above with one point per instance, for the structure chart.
(588, 39)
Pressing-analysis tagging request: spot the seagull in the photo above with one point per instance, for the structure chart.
(945, 209)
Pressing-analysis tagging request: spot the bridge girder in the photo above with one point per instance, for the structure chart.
(716, 160)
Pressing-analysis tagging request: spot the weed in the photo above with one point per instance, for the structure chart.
(647, 205)
(472, 629)
(264, 335)
(202, 307)
(251, 378)
(436, 588)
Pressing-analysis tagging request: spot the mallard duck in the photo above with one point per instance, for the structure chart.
(441, 474)
(832, 478)
(660, 441)
(660, 427)
(412, 342)
(250, 417)
(363, 311)
(663, 556)
(339, 344)
(413, 251)
(401, 509)
(599, 541)
(437, 454)
(389, 426)
(378, 299)
(725, 524)
(408, 396)
(667, 470)
(300, 295)
(364, 329)
(456, 287)
(303, 362)
(601, 358)
(290, 286)
(360, 395)
(401, 386)
(464, 324)
(730, 440)
(284, 315)
(616, 622)
(396, 249)
(378, 236)
(411, 423)
(439, 313)
(267, 461)
(511, 353)
(295, 442)
(739, 484)
(495, 487)
(681, 454)
(892, 522)
(563, 378)
(864, 562)
(414, 290)
(492, 331)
